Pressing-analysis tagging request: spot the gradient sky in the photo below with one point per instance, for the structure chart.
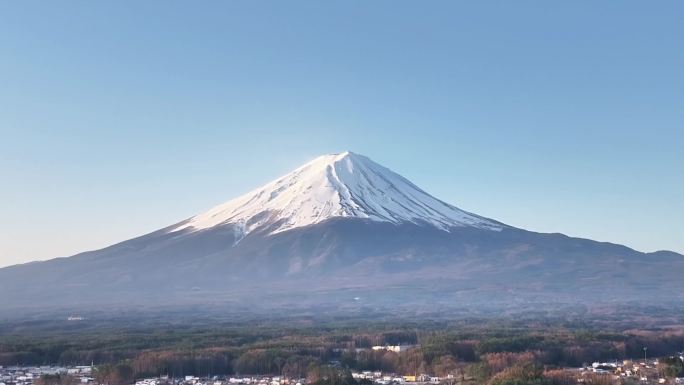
(118, 118)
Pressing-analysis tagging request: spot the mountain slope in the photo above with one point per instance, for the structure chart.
(338, 225)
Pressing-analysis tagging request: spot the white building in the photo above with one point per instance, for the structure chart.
(393, 348)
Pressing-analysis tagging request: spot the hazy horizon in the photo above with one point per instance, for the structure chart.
(110, 132)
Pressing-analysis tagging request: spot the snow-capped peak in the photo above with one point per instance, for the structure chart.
(336, 185)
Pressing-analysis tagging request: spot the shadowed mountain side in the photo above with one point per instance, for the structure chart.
(383, 262)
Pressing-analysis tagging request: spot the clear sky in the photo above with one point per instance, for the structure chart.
(118, 118)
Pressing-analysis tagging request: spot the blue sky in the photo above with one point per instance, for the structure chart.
(118, 118)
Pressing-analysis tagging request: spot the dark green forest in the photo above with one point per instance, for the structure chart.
(484, 350)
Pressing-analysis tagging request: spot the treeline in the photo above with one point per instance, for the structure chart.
(270, 354)
(439, 356)
(482, 353)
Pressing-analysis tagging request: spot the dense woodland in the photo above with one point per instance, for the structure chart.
(492, 351)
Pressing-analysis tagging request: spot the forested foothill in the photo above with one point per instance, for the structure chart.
(525, 348)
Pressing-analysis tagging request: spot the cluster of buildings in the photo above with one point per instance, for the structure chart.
(376, 377)
(19, 375)
(216, 380)
(27, 375)
(389, 378)
(645, 372)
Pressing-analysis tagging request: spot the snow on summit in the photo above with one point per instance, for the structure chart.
(335, 185)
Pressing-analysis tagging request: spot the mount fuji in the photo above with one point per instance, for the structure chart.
(343, 228)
